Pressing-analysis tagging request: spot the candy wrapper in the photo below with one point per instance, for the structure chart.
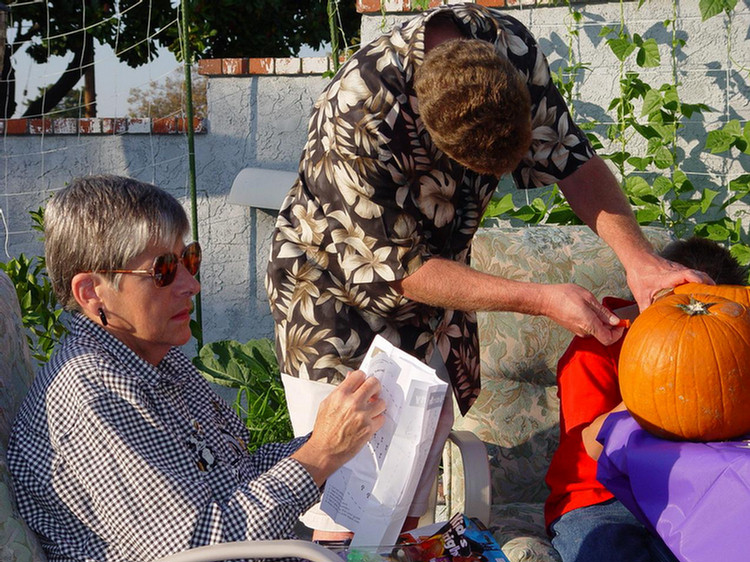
(459, 540)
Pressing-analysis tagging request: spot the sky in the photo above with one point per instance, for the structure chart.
(114, 79)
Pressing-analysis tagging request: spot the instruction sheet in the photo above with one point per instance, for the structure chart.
(371, 494)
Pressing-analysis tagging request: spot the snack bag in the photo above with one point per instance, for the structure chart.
(460, 540)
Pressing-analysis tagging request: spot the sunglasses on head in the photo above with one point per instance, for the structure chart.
(164, 269)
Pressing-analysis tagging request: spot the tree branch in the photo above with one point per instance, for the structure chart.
(83, 57)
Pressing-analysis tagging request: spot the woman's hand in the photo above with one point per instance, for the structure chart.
(346, 420)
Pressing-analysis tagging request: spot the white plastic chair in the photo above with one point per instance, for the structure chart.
(476, 504)
(16, 375)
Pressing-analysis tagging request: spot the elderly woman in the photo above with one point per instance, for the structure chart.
(121, 451)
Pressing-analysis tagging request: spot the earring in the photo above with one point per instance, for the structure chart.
(103, 317)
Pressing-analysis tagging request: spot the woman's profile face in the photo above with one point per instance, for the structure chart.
(149, 319)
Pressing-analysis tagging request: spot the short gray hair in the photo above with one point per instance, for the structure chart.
(103, 222)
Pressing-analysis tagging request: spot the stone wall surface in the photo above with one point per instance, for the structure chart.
(257, 116)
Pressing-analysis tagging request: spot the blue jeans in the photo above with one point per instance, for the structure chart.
(609, 532)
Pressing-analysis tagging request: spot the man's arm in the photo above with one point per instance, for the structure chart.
(596, 197)
(452, 285)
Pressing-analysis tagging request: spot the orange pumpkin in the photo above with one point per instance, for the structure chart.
(685, 368)
(736, 293)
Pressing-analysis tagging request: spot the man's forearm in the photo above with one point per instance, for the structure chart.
(597, 199)
(447, 284)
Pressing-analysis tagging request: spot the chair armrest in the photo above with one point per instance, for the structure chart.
(291, 548)
(476, 467)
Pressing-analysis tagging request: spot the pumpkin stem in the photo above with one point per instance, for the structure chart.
(695, 307)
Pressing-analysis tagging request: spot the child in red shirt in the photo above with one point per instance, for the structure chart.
(585, 521)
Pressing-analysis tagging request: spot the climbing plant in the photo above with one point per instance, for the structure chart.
(644, 139)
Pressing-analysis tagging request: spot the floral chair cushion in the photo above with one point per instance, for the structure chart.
(516, 414)
(17, 541)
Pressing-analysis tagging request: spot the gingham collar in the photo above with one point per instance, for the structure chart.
(173, 368)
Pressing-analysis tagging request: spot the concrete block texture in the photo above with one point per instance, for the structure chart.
(260, 119)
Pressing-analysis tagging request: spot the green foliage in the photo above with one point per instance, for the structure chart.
(253, 370)
(262, 28)
(135, 29)
(642, 140)
(711, 8)
(40, 311)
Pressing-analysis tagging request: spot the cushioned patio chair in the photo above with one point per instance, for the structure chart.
(19, 544)
(517, 412)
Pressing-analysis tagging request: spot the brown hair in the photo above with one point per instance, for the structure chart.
(475, 105)
(707, 256)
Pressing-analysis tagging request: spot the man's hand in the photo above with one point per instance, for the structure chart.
(596, 197)
(346, 420)
(657, 274)
(576, 309)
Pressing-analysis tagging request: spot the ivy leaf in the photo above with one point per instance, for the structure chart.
(639, 163)
(685, 208)
(648, 55)
(733, 128)
(647, 131)
(499, 207)
(707, 198)
(681, 182)
(637, 186)
(715, 230)
(746, 138)
(671, 97)
(622, 47)
(617, 157)
(710, 8)
(662, 186)
(663, 158)
(563, 215)
(652, 102)
(648, 215)
(741, 252)
(596, 144)
(719, 141)
(529, 213)
(740, 184)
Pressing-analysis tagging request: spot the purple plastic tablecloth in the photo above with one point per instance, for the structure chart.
(696, 496)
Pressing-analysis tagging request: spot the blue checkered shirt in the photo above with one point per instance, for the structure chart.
(115, 459)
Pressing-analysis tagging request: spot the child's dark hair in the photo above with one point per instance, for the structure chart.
(707, 256)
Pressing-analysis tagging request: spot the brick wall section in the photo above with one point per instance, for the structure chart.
(287, 66)
(369, 6)
(99, 126)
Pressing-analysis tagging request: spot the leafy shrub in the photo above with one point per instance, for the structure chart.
(40, 311)
(253, 370)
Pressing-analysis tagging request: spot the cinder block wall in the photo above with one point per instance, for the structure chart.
(257, 116)
(713, 67)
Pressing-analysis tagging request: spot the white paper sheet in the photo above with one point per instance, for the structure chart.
(303, 397)
(371, 494)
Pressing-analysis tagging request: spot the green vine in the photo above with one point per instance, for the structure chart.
(643, 141)
(40, 311)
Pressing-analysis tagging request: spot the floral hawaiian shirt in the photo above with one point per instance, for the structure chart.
(375, 199)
